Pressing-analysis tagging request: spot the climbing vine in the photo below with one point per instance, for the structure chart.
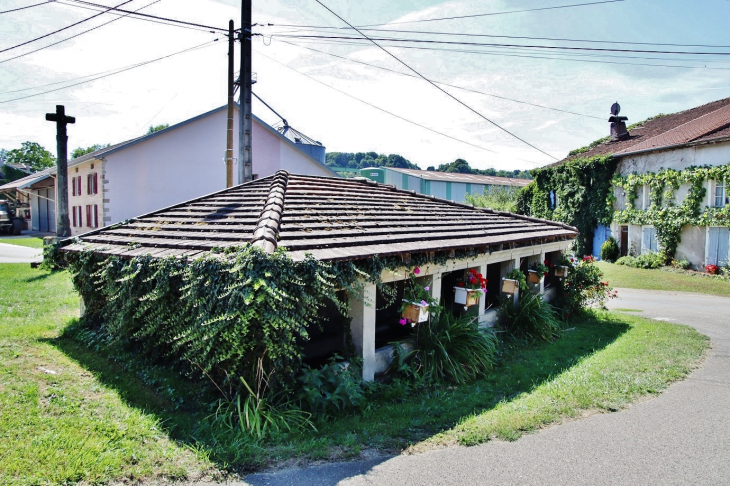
(577, 192)
(664, 213)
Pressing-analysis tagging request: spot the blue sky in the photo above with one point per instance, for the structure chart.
(123, 106)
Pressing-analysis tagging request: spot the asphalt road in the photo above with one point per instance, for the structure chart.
(19, 254)
(680, 437)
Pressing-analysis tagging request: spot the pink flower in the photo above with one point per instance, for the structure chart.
(403, 321)
(416, 270)
(424, 303)
(427, 288)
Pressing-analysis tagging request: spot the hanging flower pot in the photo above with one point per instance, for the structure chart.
(466, 297)
(534, 277)
(415, 312)
(510, 286)
(561, 271)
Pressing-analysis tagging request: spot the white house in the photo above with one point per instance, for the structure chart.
(176, 164)
(446, 185)
(694, 141)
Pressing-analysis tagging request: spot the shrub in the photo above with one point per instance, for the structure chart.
(583, 288)
(330, 390)
(533, 318)
(681, 264)
(516, 274)
(610, 250)
(453, 349)
(646, 260)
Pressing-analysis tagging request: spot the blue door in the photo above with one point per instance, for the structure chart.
(600, 235)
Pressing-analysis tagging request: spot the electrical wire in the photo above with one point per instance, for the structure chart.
(446, 84)
(62, 29)
(463, 34)
(118, 71)
(483, 44)
(439, 87)
(76, 35)
(495, 13)
(375, 106)
(156, 17)
(23, 8)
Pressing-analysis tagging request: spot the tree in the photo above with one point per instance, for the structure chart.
(3, 156)
(157, 128)
(431, 168)
(32, 155)
(83, 151)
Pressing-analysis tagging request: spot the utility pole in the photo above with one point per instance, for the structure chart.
(245, 173)
(229, 130)
(63, 225)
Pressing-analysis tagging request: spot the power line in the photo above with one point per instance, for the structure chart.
(446, 84)
(483, 44)
(23, 8)
(375, 106)
(437, 86)
(62, 29)
(118, 71)
(494, 13)
(462, 34)
(76, 35)
(156, 17)
(359, 42)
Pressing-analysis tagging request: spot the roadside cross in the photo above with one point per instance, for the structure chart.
(63, 225)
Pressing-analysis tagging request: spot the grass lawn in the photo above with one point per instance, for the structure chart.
(73, 413)
(32, 242)
(638, 278)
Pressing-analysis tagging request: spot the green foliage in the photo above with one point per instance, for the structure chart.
(664, 214)
(588, 147)
(10, 174)
(580, 187)
(516, 274)
(461, 166)
(610, 250)
(582, 288)
(533, 318)
(157, 128)
(331, 389)
(499, 198)
(32, 155)
(450, 348)
(680, 264)
(361, 160)
(83, 151)
(222, 313)
(646, 260)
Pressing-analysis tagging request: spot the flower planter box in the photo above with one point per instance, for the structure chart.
(415, 312)
(533, 276)
(561, 271)
(509, 286)
(466, 297)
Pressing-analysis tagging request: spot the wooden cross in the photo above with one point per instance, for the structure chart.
(63, 225)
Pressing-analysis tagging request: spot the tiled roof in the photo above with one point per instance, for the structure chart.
(458, 177)
(703, 123)
(331, 218)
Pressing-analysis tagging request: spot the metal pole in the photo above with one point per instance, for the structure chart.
(245, 172)
(229, 128)
(63, 225)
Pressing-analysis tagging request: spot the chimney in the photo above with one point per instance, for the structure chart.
(618, 124)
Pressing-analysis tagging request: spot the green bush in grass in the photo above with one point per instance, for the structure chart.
(609, 250)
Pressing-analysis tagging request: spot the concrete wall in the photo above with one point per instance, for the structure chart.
(82, 200)
(678, 159)
(692, 245)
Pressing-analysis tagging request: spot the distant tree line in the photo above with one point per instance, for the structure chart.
(361, 160)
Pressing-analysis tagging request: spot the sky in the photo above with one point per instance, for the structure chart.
(308, 87)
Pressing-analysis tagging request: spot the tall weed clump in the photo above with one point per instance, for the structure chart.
(532, 318)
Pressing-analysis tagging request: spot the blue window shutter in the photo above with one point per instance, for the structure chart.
(722, 245)
(645, 240)
(654, 245)
(713, 246)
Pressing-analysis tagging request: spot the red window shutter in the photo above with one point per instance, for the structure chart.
(79, 179)
(73, 186)
(88, 215)
(88, 184)
(96, 184)
(96, 216)
(73, 219)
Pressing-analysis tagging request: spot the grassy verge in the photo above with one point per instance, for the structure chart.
(71, 413)
(33, 242)
(638, 278)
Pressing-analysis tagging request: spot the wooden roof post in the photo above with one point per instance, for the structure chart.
(362, 328)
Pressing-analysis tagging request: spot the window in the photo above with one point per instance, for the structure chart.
(88, 215)
(648, 240)
(720, 196)
(91, 184)
(647, 197)
(76, 186)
